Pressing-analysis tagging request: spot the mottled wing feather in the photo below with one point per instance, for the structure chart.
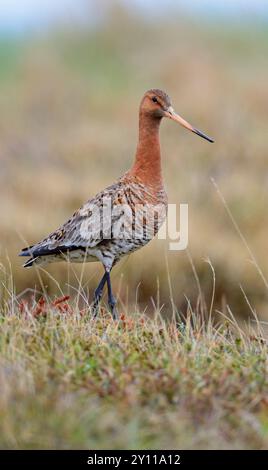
(85, 229)
(95, 225)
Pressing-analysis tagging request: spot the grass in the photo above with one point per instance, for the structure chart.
(68, 381)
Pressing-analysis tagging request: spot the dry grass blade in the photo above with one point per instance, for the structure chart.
(240, 234)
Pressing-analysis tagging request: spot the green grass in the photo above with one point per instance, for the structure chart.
(68, 381)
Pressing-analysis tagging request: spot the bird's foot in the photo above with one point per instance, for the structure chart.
(97, 296)
(95, 307)
(113, 309)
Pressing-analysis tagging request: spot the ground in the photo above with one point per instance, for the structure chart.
(68, 381)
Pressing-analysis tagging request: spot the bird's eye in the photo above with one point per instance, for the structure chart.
(154, 99)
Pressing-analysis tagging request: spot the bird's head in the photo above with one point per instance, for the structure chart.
(157, 104)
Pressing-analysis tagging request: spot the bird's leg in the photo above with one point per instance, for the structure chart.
(98, 295)
(111, 299)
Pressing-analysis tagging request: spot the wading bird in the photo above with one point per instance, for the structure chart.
(91, 234)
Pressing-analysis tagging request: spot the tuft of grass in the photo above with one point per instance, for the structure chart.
(68, 381)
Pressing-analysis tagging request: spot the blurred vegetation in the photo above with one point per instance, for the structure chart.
(68, 127)
(69, 381)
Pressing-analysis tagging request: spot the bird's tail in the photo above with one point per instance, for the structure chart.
(28, 251)
(31, 261)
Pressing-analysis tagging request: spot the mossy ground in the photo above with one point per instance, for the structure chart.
(68, 381)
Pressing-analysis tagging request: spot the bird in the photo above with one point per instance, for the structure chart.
(123, 217)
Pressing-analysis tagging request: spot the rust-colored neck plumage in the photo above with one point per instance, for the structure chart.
(147, 165)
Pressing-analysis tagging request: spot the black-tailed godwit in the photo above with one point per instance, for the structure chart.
(113, 223)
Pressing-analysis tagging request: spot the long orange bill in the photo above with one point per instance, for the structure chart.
(170, 113)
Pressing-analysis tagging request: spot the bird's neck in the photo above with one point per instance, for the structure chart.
(147, 164)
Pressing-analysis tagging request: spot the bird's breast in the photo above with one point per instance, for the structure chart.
(138, 212)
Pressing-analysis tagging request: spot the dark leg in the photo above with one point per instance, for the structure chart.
(111, 299)
(98, 295)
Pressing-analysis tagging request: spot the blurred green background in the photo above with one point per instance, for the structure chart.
(69, 95)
